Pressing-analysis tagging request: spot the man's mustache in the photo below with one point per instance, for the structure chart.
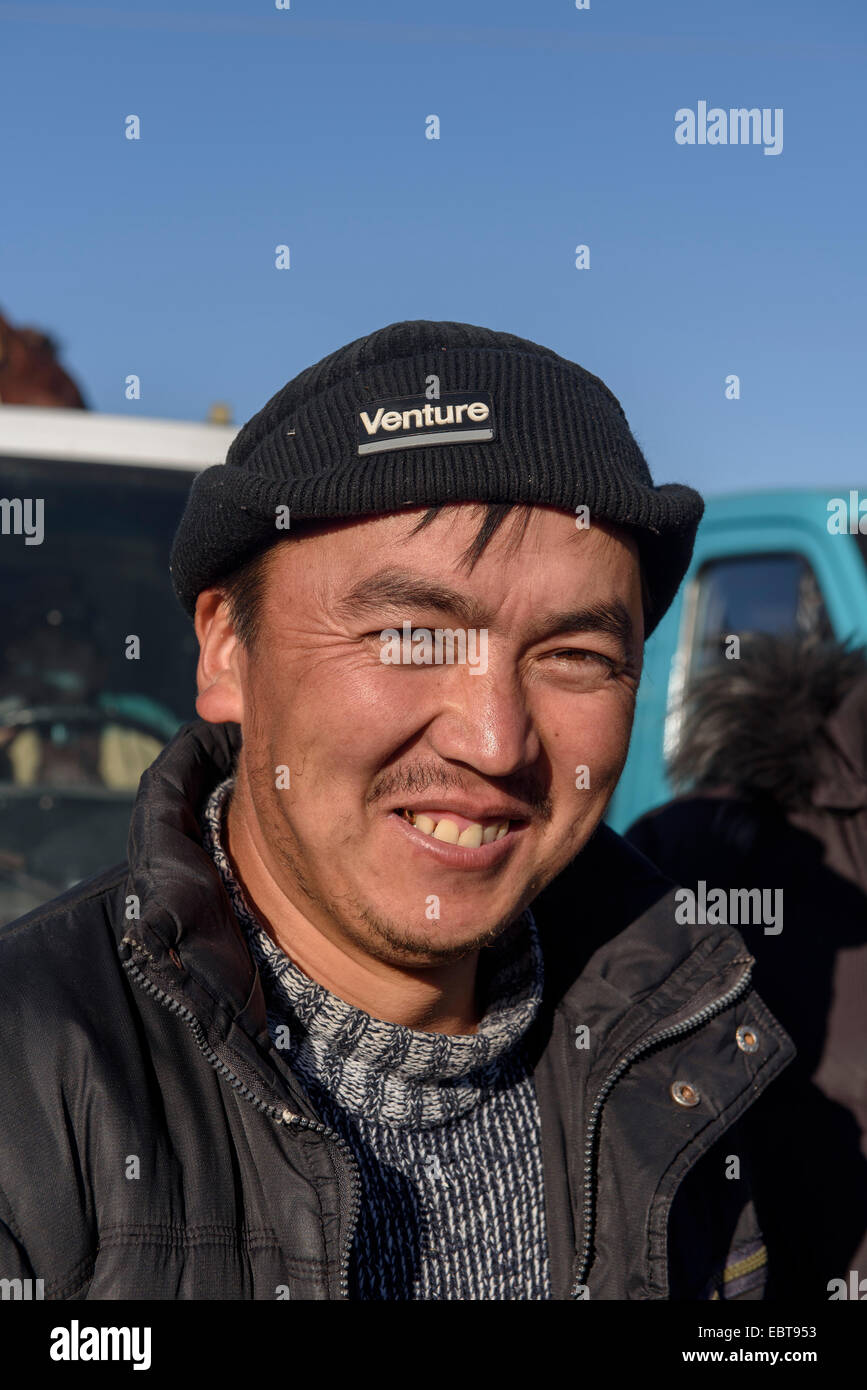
(423, 777)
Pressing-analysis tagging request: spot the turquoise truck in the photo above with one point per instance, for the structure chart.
(97, 660)
(786, 562)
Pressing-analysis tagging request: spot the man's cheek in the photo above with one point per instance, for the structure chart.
(590, 750)
(349, 683)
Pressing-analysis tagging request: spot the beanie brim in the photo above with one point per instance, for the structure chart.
(231, 515)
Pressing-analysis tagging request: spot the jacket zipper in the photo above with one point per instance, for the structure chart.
(277, 1113)
(589, 1211)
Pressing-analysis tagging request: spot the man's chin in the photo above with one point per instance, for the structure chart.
(434, 941)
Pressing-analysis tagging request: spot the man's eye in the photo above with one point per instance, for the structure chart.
(578, 657)
(390, 627)
(584, 669)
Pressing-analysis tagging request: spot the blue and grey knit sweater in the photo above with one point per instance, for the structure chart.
(444, 1127)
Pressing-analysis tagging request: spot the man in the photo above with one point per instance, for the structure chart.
(378, 1009)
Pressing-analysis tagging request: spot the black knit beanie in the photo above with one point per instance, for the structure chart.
(419, 414)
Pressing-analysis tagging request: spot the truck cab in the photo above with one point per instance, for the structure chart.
(97, 659)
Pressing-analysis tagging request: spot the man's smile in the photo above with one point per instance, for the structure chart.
(456, 840)
(456, 829)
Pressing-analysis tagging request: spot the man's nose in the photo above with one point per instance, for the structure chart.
(485, 721)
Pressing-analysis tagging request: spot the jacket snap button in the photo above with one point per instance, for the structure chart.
(685, 1094)
(747, 1039)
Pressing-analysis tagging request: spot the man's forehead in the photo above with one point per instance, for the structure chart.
(575, 577)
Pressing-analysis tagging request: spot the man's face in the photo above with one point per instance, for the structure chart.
(390, 763)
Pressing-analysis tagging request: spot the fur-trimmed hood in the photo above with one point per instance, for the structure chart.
(785, 723)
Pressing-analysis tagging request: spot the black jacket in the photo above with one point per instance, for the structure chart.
(810, 1135)
(156, 1145)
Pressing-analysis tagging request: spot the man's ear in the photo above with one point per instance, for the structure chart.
(220, 697)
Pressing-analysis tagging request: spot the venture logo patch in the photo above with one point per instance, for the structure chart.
(410, 423)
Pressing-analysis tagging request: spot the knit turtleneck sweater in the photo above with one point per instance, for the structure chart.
(444, 1127)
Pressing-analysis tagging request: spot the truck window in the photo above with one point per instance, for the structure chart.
(743, 594)
(97, 664)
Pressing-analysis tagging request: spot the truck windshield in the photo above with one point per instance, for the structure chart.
(97, 663)
(774, 592)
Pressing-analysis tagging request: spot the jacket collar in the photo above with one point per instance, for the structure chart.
(184, 913)
(611, 942)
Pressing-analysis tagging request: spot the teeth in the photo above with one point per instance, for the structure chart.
(444, 829)
(448, 831)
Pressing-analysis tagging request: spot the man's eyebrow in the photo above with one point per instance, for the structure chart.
(611, 618)
(402, 589)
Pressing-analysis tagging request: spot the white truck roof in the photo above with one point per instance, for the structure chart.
(28, 431)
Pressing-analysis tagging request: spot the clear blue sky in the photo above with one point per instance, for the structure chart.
(307, 127)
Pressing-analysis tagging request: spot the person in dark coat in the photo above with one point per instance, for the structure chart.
(774, 750)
